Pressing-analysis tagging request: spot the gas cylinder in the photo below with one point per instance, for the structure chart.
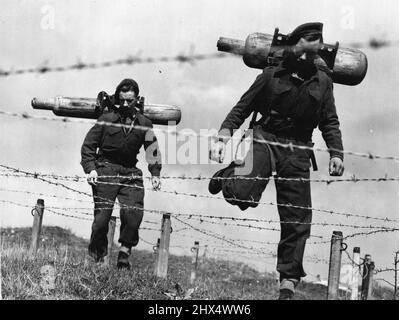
(89, 108)
(346, 66)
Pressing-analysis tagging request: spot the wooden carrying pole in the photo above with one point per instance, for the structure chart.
(163, 252)
(194, 264)
(110, 237)
(37, 226)
(335, 265)
(355, 274)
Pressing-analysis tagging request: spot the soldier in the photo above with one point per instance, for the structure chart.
(293, 98)
(112, 151)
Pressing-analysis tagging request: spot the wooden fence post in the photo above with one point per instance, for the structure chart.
(163, 252)
(396, 261)
(371, 281)
(194, 263)
(205, 253)
(366, 274)
(156, 252)
(355, 274)
(110, 237)
(37, 226)
(335, 265)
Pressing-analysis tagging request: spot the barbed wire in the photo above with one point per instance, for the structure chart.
(213, 235)
(247, 252)
(146, 241)
(129, 60)
(77, 178)
(332, 212)
(218, 217)
(380, 279)
(60, 185)
(269, 221)
(380, 270)
(236, 224)
(205, 241)
(199, 217)
(202, 217)
(375, 43)
(52, 196)
(357, 234)
(174, 214)
(289, 145)
(134, 59)
(346, 214)
(51, 210)
(351, 260)
(68, 215)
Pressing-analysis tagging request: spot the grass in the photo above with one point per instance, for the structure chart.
(77, 277)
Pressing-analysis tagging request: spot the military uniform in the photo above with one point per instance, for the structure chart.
(291, 108)
(112, 151)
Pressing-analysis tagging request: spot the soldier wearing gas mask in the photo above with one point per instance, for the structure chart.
(112, 151)
(293, 98)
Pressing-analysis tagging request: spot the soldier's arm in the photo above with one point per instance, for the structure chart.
(329, 123)
(244, 106)
(89, 147)
(152, 152)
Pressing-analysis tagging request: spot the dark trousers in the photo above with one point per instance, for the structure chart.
(104, 197)
(287, 163)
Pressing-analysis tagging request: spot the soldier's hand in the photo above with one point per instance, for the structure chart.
(92, 177)
(156, 183)
(336, 167)
(217, 151)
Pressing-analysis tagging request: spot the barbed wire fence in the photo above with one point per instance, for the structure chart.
(237, 246)
(234, 246)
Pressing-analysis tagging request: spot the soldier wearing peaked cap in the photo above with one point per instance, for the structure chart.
(111, 150)
(293, 98)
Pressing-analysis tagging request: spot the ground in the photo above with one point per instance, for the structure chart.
(77, 277)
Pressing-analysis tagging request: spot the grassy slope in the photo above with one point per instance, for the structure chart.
(78, 278)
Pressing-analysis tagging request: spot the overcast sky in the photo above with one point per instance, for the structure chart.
(96, 31)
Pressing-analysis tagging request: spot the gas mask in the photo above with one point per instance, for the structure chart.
(130, 110)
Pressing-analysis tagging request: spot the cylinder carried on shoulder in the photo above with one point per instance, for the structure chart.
(345, 65)
(91, 108)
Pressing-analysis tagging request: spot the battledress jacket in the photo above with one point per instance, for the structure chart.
(290, 110)
(111, 144)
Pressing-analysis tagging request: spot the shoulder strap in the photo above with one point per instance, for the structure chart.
(268, 76)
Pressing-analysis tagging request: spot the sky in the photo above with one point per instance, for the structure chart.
(57, 33)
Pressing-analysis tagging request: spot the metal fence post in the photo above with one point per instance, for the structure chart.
(355, 274)
(194, 250)
(163, 252)
(335, 265)
(37, 226)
